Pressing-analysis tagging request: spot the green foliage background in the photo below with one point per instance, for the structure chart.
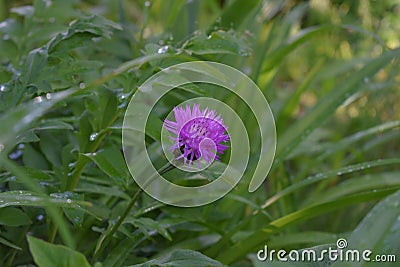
(329, 69)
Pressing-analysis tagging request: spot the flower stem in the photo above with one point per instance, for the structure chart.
(107, 236)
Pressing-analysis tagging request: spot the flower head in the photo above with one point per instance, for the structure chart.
(199, 134)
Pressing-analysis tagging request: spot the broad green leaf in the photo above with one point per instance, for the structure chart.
(182, 258)
(111, 161)
(242, 247)
(46, 254)
(378, 232)
(13, 217)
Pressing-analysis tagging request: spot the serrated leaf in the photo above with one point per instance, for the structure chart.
(378, 232)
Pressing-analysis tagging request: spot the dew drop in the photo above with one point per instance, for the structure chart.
(47, 3)
(244, 53)
(147, 3)
(38, 99)
(69, 201)
(82, 85)
(122, 97)
(3, 88)
(93, 136)
(40, 217)
(48, 96)
(15, 155)
(163, 49)
(1, 147)
(52, 20)
(71, 165)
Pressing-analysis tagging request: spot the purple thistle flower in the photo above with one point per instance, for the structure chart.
(199, 134)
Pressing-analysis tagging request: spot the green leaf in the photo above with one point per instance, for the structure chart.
(27, 198)
(53, 124)
(153, 127)
(328, 104)
(219, 42)
(323, 176)
(16, 121)
(379, 231)
(148, 224)
(86, 187)
(9, 244)
(242, 247)
(356, 185)
(74, 215)
(276, 56)
(182, 258)
(13, 217)
(37, 59)
(46, 254)
(236, 13)
(111, 161)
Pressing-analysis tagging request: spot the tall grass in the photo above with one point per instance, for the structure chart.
(329, 69)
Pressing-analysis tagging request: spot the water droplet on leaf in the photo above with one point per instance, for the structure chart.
(38, 99)
(163, 49)
(93, 136)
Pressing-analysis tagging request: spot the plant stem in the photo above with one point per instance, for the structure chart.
(108, 235)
